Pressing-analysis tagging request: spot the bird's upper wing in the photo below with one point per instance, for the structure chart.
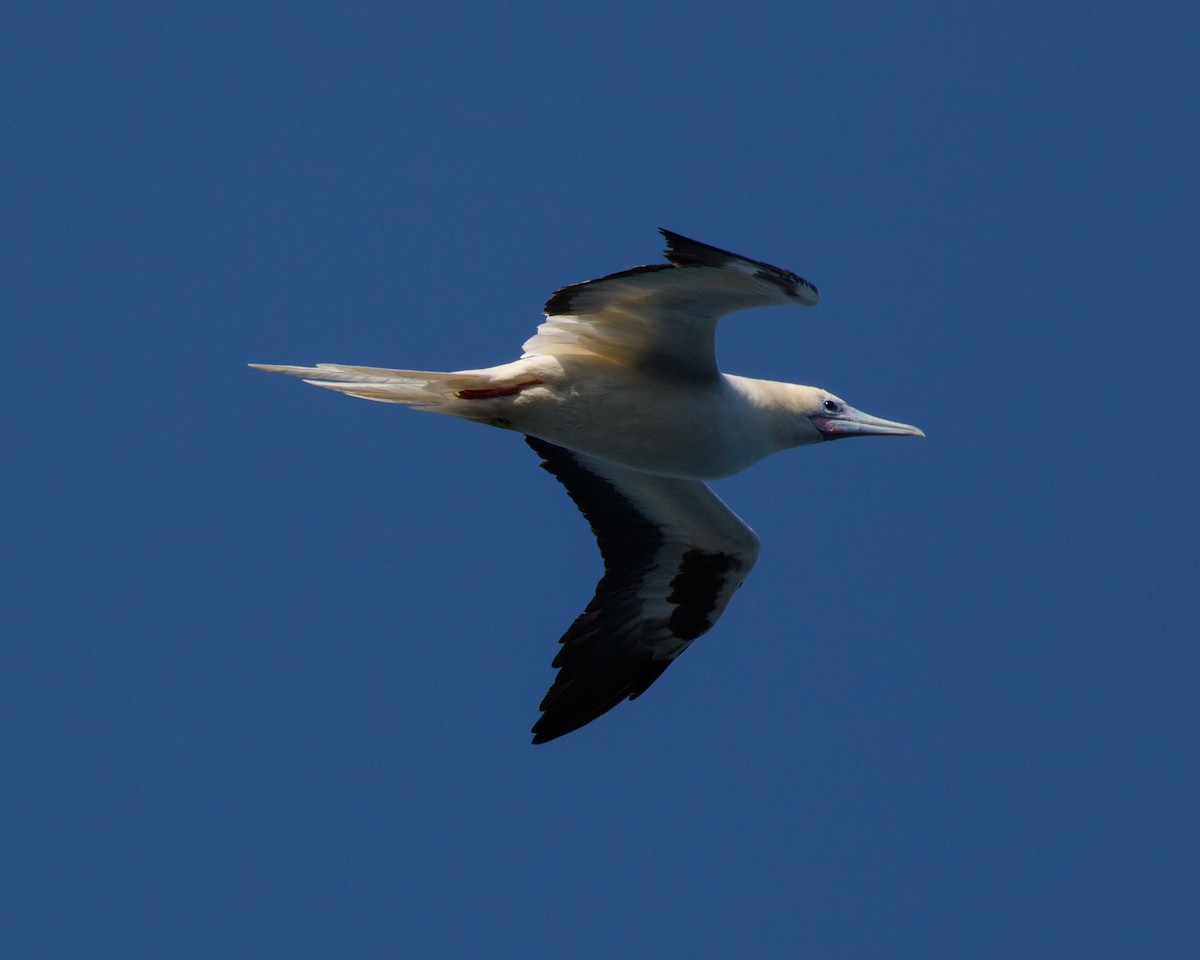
(664, 316)
(673, 556)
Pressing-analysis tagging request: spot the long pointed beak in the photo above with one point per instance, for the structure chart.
(854, 423)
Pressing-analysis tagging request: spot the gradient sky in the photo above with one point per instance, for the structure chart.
(271, 655)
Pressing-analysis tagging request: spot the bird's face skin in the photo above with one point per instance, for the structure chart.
(835, 419)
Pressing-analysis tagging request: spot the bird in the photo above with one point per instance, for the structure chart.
(619, 393)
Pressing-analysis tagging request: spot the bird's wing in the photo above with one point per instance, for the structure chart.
(664, 316)
(673, 556)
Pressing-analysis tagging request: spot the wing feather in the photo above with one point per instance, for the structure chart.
(673, 556)
(664, 316)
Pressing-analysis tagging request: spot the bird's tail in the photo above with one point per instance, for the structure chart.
(427, 389)
(471, 394)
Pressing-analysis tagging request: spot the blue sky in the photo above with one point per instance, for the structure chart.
(272, 655)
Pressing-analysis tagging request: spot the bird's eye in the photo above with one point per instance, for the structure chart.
(830, 406)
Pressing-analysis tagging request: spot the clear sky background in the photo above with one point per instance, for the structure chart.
(271, 655)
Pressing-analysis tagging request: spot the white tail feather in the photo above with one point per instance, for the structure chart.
(430, 390)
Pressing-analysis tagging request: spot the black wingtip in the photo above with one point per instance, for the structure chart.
(686, 252)
(550, 727)
(546, 735)
(578, 701)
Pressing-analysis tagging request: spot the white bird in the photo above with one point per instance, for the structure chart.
(619, 392)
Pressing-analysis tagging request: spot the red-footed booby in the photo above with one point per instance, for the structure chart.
(619, 393)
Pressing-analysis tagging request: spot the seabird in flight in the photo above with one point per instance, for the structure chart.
(619, 393)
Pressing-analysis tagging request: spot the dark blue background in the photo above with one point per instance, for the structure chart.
(271, 656)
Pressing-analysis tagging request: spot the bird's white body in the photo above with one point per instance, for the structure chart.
(620, 393)
(673, 427)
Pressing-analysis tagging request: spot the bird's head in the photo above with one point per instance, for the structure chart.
(827, 417)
